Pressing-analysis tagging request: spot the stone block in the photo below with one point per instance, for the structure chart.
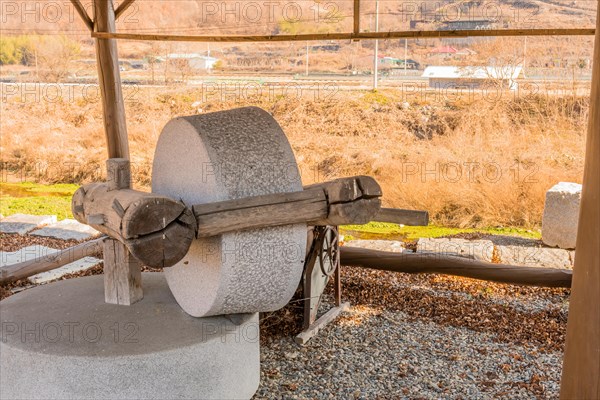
(381, 245)
(535, 256)
(24, 223)
(67, 229)
(482, 250)
(561, 215)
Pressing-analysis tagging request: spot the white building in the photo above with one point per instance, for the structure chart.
(452, 77)
(195, 60)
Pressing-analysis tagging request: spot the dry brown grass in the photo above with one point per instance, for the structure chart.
(515, 148)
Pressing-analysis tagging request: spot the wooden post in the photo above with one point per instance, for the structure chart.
(122, 271)
(109, 79)
(356, 17)
(122, 275)
(118, 173)
(581, 366)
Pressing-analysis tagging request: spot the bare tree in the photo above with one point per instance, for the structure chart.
(54, 55)
(502, 60)
(153, 58)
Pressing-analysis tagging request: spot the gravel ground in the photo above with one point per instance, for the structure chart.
(10, 242)
(410, 336)
(369, 353)
(404, 339)
(421, 337)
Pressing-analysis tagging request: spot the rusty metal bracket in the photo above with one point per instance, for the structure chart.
(322, 263)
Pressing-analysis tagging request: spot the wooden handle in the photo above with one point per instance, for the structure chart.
(404, 217)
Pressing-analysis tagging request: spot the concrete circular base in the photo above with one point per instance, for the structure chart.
(62, 341)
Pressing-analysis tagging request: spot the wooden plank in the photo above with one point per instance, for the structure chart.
(118, 173)
(321, 323)
(581, 367)
(404, 217)
(109, 79)
(123, 7)
(349, 35)
(25, 269)
(122, 275)
(356, 17)
(432, 263)
(83, 14)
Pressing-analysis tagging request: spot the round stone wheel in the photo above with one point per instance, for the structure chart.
(223, 156)
(62, 341)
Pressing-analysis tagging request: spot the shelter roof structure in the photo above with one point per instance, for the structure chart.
(581, 370)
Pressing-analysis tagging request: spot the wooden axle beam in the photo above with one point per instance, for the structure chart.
(348, 35)
(354, 200)
(158, 230)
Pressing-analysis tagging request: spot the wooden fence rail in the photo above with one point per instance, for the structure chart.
(431, 263)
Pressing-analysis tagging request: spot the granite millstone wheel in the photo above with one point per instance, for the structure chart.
(223, 156)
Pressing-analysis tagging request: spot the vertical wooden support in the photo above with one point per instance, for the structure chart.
(356, 16)
(122, 275)
(581, 366)
(118, 173)
(109, 79)
(122, 272)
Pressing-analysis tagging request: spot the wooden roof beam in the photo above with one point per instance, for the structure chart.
(348, 35)
(83, 14)
(123, 7)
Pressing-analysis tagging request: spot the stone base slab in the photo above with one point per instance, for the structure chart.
(62, 341)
